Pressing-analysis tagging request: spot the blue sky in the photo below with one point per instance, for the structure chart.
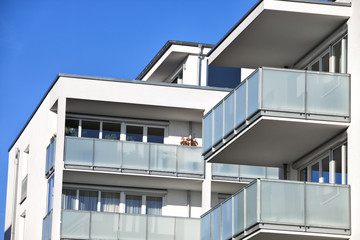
(109, 38)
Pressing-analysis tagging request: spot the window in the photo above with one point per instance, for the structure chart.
(133, 204)
(88, 200)
(110, 131)
(153, 205)
(50, 156)
(134, 133)
(155, 135)
(69, 199)
(331, 167)
(71, 127)
(110, 202)
(50, 197)
(90, 129)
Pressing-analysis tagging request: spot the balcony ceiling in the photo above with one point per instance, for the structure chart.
(287, 235)
(272, 141)
(278, 33)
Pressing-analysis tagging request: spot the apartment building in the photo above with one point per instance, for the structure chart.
(256, 136)
(105, 158)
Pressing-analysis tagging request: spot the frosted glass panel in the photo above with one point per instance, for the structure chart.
(328, 94)
(229, 114)
(253, 94)
(251, 205)
(327, 206)
(205, 227)
(272, 173)
(239, 213)
(104, 225)
(227, 219)
(135, 155)
(282, 202)
(252, 171)
(218, 123)
(186, 229)
(240, 108)
(162, 158)
(225, 170)
(161, 228)
(190, 160)
(207, 132)
(75, 225)
(283, 90)
(79, 151)
(132, 227)
(216, 223)
(107, 153)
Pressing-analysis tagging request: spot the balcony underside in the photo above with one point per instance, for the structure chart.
(278, 33)
(266, 142)
(264, 234)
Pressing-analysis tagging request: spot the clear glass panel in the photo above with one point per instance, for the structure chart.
(315, 172)
(50, 199)
(253, 94)
(88, 200)
(218, 123)
(107, 153)
(187, 228)
(240, 110)
(134, 133)
(104, 225)
(71, 127)
(216, 223)
(316, 66)
(229, 114)
(328, 94)
(337, 163)
(68, 199)
(325, 63)
(282, 203)
(48, 155)
(111, 131)
(327, 206)
(132, 227)
(153, 205)
(207, 132)
(135, 156)
(155, 135)
(337, 56)
(75, 225)
(90, 129)
(79, 151)
(190, 160)
(227, 219)
(251, 205)
(225, 170)
(133, 204)
(283, 90)
(252, 171)
(205, 227)
(52, 156)
(110, 202)
(162, 158)
(239, 212)
(272, 173)
(303, 175)
(325, 170)
(161, 228)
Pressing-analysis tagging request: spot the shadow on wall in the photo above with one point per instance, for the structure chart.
(7, 234)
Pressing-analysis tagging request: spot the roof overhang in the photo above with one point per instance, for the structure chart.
(279, 33)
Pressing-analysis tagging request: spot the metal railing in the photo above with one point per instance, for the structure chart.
(280, 205)
(105, 225)
(137, 156)
(278, 92)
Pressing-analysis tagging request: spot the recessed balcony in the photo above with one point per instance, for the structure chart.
(112, 226)
(133, 157)
(274, 209)
(276, 116)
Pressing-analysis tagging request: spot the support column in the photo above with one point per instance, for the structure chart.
(59, 167)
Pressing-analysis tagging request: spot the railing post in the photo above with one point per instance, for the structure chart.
(258, 200)
(260, 90)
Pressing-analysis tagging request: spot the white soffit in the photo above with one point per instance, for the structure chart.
(278, 33)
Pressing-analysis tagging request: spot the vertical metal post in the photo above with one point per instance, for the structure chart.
(343, 164)
(260, 88)
(258, 200)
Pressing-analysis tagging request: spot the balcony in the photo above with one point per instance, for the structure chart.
(135, 157)
(102, 225)
(273, 209)
(276, 116)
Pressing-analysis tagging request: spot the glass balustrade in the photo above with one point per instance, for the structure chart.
(147, 157)
(238, 172)
(278, 204)
(278, 92)
(112, 226)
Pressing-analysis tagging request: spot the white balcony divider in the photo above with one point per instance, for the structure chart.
(113, 226)
(279, 204)
(138, 156)
(297, 93)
